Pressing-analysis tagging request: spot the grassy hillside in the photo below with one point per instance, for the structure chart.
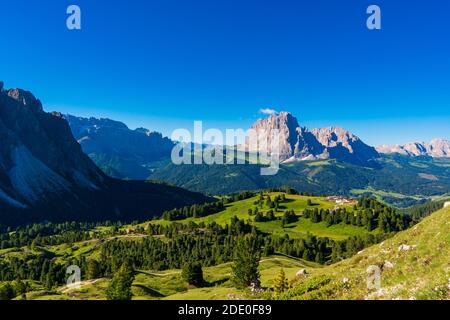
(297, 229)
(421, 272)
(169, 285)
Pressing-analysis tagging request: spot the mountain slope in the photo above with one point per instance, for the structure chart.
(437, 148)
(414, 265)
(44, 175)
(398, 180)
(119, 151)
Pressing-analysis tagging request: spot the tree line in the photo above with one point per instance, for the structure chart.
(368, 213)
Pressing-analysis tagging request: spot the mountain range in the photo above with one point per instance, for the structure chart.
(61, 167)
(437, 148)
(44, 174)
(119, 151)
(300, 143)
(322, 161)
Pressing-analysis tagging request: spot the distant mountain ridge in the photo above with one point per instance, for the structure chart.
(322, 161)
(300, 143)
(118, 150)
(44, 175)
(437, 148)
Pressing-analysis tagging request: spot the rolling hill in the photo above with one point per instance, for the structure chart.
(415, 271)
(414, 264)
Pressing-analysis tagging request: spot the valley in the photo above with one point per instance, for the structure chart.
(397, 180)
(327, 250)
(319, 161)
(182, 232)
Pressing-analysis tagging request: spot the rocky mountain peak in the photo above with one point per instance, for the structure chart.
(286, 125)
(300, 143)
(25, 98)
(45, 176)
(111, 142)
(437, 148)
(283, 121)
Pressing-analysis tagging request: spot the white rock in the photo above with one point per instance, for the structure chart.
(301, 272)
(405, 247)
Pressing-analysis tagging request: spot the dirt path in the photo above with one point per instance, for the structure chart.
(79, 285)
(290, 260)
(159, 274)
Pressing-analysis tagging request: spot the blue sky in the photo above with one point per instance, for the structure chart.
(163, 63)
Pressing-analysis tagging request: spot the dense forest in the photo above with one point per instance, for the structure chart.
(368, 213)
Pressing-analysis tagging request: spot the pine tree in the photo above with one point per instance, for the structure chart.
(6, 292)
(20, 287)
(246, 261)
(120, 286)
(280, 282)
(93, 269)
(192, 273)
(49, 281)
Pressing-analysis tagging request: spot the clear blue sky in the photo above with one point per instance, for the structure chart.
(163, 63)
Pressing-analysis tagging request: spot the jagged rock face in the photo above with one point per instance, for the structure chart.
(112, 142)
(437, 148)
(38, 155)
(299, 143)
(44, 174)
(286, 126)
(344, 145)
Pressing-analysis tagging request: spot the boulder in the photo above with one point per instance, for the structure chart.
(301, 273)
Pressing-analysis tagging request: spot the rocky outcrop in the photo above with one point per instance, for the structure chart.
(344, 145)
(44, 174)
(300, 143)
(294, 141)
(437, 148)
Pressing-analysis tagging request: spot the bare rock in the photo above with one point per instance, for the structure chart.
(438, 148)
(299, 143)
(302, 273)
(405, 247)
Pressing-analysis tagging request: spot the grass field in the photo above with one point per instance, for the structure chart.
(412, 274)
(239, 209)
(169, 285)
(414, 264)
(295, 230)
